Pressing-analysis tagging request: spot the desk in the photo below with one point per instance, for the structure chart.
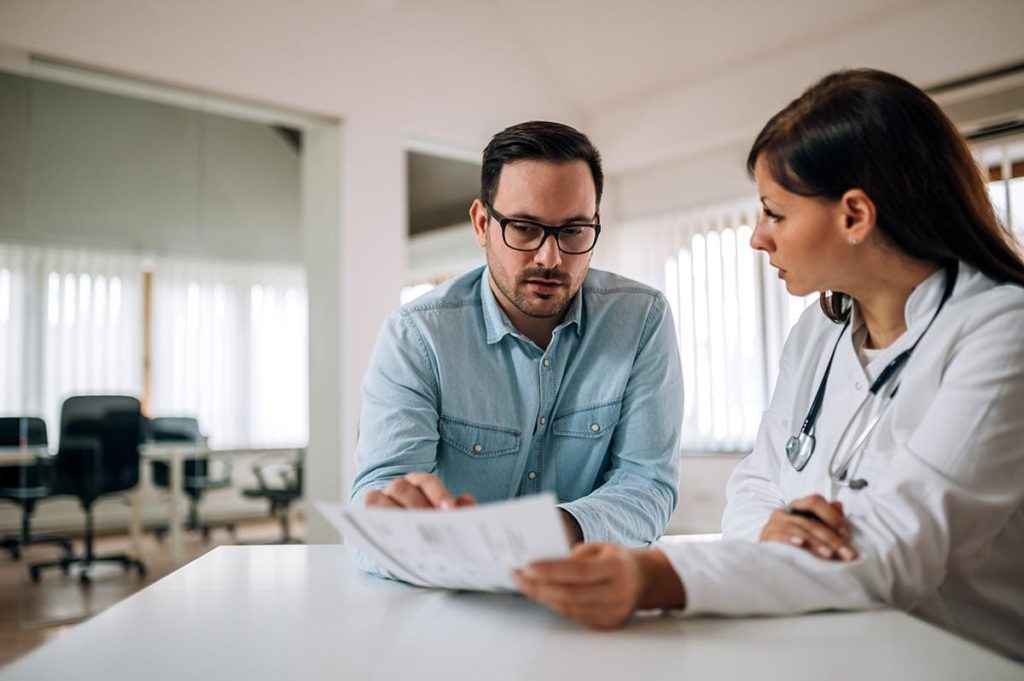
(12, 456)
(175, 453)
(303, 612)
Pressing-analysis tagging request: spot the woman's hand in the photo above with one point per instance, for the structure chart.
(812, 523)
(601, 585)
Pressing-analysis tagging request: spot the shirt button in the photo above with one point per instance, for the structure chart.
(542, 420)
(858, 385)
(477, 448)
(532, 475)
(595, 428)
(547, 363)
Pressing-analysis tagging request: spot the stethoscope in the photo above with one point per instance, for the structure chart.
(800, 447)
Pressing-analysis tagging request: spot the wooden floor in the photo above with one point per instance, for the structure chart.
(31, 614)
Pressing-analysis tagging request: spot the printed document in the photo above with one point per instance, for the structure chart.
(474, 548)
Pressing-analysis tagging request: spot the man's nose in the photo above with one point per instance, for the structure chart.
(548, 256)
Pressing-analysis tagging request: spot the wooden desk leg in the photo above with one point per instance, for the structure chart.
(177, 479)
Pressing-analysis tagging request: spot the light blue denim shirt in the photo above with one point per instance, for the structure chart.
(454, 389)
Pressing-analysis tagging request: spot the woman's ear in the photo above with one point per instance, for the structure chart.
(858, 216)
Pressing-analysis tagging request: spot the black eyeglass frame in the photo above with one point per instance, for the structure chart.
(549, 230)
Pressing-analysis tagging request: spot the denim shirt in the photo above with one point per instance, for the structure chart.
(455, 390)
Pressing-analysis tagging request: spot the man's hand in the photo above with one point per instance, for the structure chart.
(417, 490)
(601, 585)
(814, 524)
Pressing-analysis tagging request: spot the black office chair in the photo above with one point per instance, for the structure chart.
(98, 455)
(26, 484)
(279, 483)
(197, 479)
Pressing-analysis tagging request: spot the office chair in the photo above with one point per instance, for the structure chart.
(98, 455)
(279, 483)
(197, 478)
(27, 483)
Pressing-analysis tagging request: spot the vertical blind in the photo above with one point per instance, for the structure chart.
(70, 323)
(229, 341)
(732, 314)
(230, 347)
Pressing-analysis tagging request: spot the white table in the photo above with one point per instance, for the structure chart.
(302, 612)
(175, 453)
(12, 456)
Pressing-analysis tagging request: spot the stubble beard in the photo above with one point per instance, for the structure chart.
(531, 306)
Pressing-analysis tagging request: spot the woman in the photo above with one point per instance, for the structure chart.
(889, 467)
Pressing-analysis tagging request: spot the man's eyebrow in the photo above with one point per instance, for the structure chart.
(575, 219)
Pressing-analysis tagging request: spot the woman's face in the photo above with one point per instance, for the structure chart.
(803, 237)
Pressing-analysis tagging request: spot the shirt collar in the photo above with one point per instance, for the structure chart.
(918, 309)
(497, 323)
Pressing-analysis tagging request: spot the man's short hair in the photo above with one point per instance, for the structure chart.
(537, 141)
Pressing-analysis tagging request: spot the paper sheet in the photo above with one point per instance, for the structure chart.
(474, 548)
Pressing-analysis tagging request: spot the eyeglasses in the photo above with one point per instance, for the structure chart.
(527, 235)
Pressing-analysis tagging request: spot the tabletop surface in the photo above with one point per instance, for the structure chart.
(19, 455)
(303, 612)
(167, 450)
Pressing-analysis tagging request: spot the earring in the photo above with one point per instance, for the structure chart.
(854, 242)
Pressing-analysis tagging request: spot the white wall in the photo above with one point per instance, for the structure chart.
(686, 145)
(99, 170)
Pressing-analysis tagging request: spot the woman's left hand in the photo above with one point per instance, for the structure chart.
(599, 585)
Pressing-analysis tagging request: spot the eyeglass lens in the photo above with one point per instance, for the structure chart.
(571, 239)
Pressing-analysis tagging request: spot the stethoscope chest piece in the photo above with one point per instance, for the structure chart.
(799, 449)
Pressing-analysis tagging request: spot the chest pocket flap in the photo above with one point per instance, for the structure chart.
(590, 422)
(478, 440)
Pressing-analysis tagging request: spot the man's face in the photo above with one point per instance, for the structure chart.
(541, 283)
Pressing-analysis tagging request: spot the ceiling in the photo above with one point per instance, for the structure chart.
(603, 53)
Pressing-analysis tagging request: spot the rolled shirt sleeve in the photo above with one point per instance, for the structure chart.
(639, 492)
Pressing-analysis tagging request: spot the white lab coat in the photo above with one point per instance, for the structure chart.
(940, 527)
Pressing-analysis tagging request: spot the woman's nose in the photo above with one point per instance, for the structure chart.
(759, 239)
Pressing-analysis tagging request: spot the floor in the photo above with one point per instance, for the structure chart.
(31, 614)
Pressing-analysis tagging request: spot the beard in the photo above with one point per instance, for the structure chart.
(533, 303)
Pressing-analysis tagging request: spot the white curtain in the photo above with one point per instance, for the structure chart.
(70, 323)
(230, 347)
(731, 311)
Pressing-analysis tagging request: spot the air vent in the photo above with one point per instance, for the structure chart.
(985, 105)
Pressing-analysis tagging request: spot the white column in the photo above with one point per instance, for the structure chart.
(354, 243)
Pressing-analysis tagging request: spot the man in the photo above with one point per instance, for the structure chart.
(533, 373)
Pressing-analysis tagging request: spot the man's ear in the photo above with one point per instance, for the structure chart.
(479, 217)
(858, 216)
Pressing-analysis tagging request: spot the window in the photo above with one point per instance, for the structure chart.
(1003, 164)
(411, 293)
(70, 322)
(230, 347)
(732, 315)
(229, 341)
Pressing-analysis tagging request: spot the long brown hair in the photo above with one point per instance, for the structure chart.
(874, 131)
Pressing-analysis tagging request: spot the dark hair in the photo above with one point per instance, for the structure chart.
(537, 140)
(874, 131)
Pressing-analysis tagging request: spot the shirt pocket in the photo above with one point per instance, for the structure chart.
(477, 440)
(477, 458)
(591, 423)
(579, 447)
